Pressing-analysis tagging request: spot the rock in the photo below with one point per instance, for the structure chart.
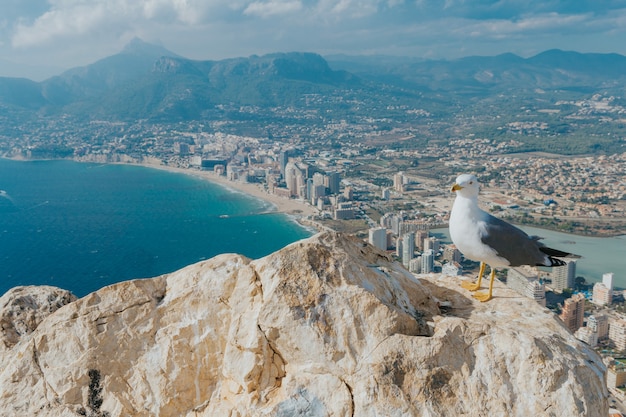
(23, 308)
(327, 326)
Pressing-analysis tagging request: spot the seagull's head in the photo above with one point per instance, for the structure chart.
(466, 185)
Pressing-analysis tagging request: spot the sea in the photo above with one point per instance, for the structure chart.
(82, 226)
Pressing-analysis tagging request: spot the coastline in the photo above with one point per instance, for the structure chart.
(291, 207)
(296, 209)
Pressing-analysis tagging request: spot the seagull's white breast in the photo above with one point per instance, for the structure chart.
(467, 225)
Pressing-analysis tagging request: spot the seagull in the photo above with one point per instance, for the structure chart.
(484, 238)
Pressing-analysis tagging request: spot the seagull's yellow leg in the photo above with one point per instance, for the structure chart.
(481, 296)
(474, 286)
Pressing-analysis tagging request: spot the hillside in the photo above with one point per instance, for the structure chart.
(149, 82)
(556, 101)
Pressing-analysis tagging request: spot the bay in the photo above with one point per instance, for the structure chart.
(82, 226)
(599, 255)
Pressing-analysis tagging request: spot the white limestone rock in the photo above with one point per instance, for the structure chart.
(327, 326)
(23, 308)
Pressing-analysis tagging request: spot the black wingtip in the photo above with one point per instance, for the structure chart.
(557, 253)
(556, 262)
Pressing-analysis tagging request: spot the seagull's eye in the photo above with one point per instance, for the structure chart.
(471, 182)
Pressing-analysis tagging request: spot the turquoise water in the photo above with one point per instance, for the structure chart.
(82, 226)
(599, 255)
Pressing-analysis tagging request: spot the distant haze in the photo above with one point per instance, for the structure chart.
(41, 38)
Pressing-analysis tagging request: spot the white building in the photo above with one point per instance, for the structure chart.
(564, 276)
(415, 265)
(408, 249)
(378, 237)
(344, 211)
(602, 295)
(525, 281)
(452, 269)
(607, 280)
(587, 335)
(431, 243)
(617, 333)
(398, 182)
(599, 323)
(428, 261)
(385, 194)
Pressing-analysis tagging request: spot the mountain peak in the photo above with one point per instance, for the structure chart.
(138, 46)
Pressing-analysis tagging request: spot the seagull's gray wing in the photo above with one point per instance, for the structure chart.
(511, 243)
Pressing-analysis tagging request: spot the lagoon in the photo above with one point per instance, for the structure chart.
(599, 254)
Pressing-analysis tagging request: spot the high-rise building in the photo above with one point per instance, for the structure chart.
(292, 173)
(525, 281)
(378, 237)
(431, 243)
(392, 222)
(573, 312)
(607, 280)
(415, 265)
(385, 194)
(587, 335)
(599, 323)
(317, 191)
(344, 211)
(318, 179)
(412, 226)
(420, 236)
(408, 248)
(602, 295)
(564, 276)
(617, 333)
(334, 181)
(451, 254)
(398, 182)
(428, 261)
(282, 160)
(616, 377)
(348, 193)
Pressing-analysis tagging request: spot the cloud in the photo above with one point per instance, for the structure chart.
(525, 25)
(67, 18)
(226, 28)
(56, 23)
(272, 8)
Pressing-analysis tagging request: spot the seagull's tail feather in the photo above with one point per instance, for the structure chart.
(555, 262)
(558, 253)
(553, 254)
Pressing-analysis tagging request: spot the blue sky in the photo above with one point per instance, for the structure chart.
(39, 38)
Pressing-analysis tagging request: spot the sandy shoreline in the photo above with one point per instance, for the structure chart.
(291, 207)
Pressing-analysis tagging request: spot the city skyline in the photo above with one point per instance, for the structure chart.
(44, 37)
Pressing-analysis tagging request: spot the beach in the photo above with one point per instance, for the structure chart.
(290, 206)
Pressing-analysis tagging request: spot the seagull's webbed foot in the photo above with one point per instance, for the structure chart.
(471, 286)
(486, 296)
(482, 296)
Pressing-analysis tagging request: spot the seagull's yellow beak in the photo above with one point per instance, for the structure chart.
(455, 188)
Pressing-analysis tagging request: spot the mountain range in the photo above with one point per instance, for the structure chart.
(149, 82)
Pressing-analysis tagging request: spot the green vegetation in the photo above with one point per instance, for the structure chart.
(533, 102)
(94, 401)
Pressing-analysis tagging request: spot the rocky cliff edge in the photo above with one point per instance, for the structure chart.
(327, 326)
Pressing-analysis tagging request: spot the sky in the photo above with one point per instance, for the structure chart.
(41, 38)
